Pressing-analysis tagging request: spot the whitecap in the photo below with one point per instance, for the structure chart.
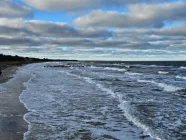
(132, 73)
(93, 67)
(127, 66)
(89, 80)
(125, 107)
(182, 67)
(106, 90)
(163, 72)
(2, 89)
(168, 88)
(180, 95)
(115, 69)
(180, 77)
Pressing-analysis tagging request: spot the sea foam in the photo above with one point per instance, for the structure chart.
(182, 67)
(163, 72)
(180, 77)
(133, 74)
(166, 87)
(125, 107)
(115, 69)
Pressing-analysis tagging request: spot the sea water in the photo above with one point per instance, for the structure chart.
(84, 100)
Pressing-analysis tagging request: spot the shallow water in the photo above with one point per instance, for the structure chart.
(105, 101)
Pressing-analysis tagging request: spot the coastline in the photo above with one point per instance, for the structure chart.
(12, 124)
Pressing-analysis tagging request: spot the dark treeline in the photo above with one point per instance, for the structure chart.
(9, 58)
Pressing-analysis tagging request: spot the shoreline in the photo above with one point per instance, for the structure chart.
(12, 111)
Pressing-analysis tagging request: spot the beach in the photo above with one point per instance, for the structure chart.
(12, 124)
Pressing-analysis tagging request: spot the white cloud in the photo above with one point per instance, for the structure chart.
(49, 29)
(11, 9)
(79, 5)
(17, 32)
(139, 15)
(43, 37)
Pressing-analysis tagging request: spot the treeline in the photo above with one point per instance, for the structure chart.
(9, 58)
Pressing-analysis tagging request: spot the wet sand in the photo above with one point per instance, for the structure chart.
(12, 124)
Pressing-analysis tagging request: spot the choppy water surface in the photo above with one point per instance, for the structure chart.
(105, 101)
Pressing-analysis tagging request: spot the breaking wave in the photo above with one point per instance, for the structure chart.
(165, 87)
(181, 77)
(115, 69)
(163, 72)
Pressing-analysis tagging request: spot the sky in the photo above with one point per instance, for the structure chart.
(125, 30)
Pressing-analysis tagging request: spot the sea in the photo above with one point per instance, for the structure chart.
(74, 100)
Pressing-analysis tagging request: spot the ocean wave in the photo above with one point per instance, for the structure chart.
(163, 72)
(168, 88)
(118, 64)
(94, 67)
(115, 69)
(180, 77)
(107, 90)
(70, 74)
(182, 67)
(127, 66)
(88, 80)
(125, 107)
(180, 95)
(2, 89)
(159, 66)
(132, 73)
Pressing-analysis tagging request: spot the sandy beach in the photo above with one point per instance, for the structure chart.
(12, 124)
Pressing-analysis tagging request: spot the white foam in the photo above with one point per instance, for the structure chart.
(132, 73)
(125, 106)
(127, 66)
(181, 95)
(168, 88)
(93, 67)
(89, 80)
(159, 66)
(2, 89)
(115, 69)
(182, 67)
(181, 77)
(70, 74)
(106, 90)
(163, 72)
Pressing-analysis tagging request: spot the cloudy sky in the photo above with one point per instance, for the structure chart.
(94, 29)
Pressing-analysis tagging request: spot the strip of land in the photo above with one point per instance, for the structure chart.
(12, 124)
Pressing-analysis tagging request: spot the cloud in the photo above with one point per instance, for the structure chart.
(153, 33)
(12, 10)
(49, 29)
(137, 32)
(138, 15)
(79, 5)
(17, 32)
